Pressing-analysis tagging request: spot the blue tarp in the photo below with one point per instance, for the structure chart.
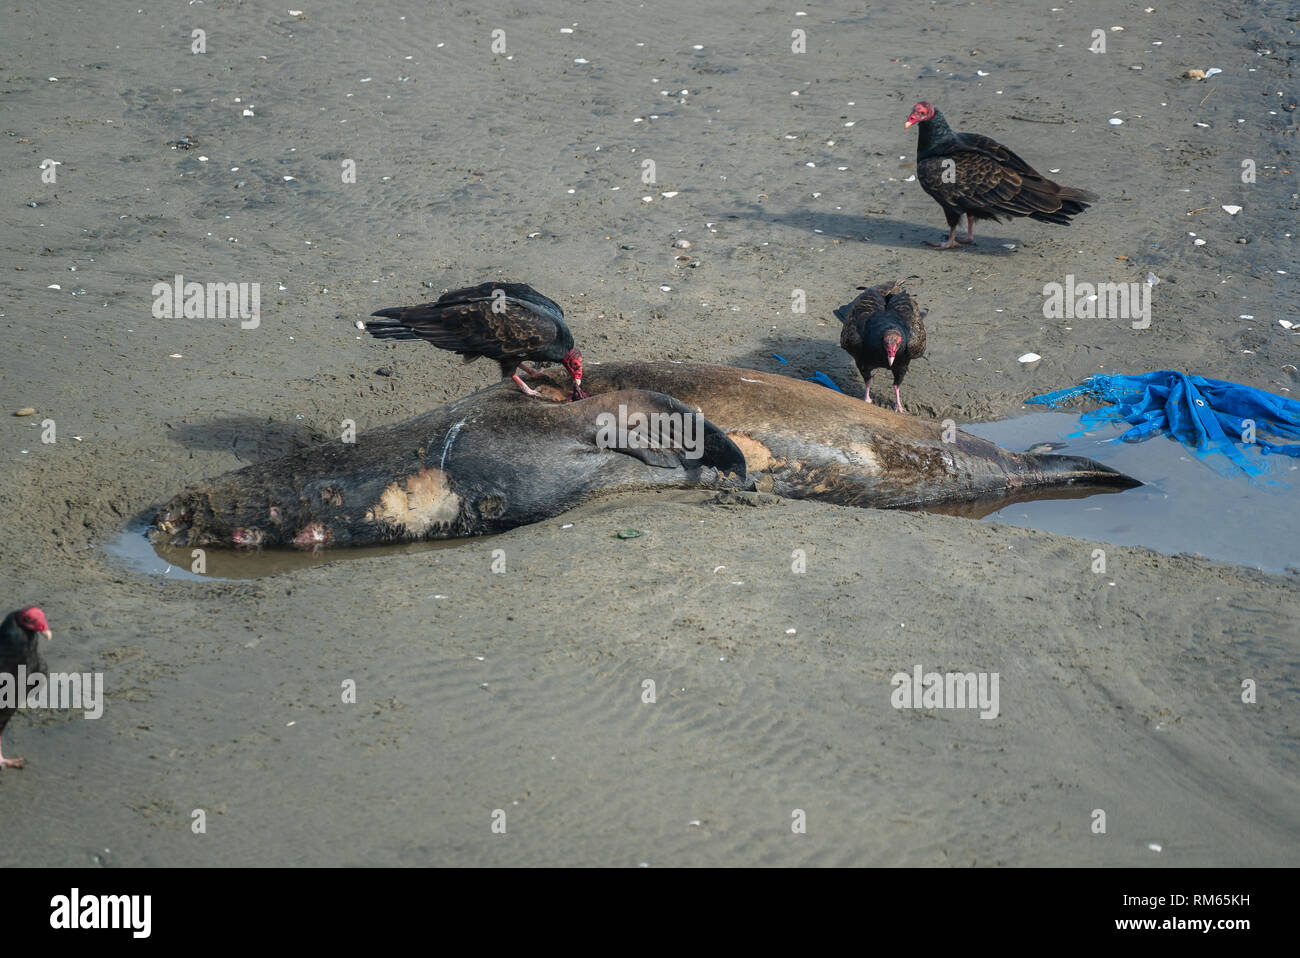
(1209, 416)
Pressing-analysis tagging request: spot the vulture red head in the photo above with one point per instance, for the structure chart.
(572, 361)
(920, 113)
(893, 341)
(32, 619)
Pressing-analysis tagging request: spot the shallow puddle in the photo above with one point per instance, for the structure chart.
(1184, 506)
(133, 547)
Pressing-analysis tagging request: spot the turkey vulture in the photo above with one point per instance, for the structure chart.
(882, 327)
(972, 174)
(18, 647)
(509, 322)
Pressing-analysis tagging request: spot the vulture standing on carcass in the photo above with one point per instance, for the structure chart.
(972, 174)
(511, 323)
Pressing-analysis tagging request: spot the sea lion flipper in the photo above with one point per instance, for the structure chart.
(658, 430)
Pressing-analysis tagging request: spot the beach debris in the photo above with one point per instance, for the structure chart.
(1115, 121)
(1231, 210)
(1284, 323)
(1030, 358)
(628, 533)
(682, 244)
(25, 411)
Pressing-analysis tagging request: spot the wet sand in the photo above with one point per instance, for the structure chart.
(522, 691)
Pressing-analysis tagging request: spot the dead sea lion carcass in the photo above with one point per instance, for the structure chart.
(804, 441)
(499, 459)
(485, 463)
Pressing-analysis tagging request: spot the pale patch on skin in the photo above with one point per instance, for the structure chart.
(247, 538)
(417, 503)
(314, 535)
(757, 456)
(864, 454)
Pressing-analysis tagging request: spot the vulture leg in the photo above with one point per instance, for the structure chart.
(949, 243)
(866, 393)
(898, 402)
(527, 389)
(11, 762)
(529, 371)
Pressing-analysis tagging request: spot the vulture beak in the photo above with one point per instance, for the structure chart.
(909, 124)
(891, 360)
(47, 634)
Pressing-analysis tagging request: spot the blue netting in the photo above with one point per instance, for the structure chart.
(1210, 417)
(821, 377)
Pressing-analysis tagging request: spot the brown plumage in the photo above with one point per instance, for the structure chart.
(511, 323)
(883, 328)
(979, 177)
